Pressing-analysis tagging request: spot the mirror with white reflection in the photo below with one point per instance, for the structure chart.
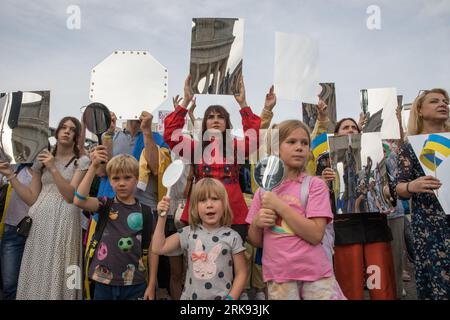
(217, 46)
(128, 82)
(24, 126)
(296, 74)
(359, 163)
(380, 105)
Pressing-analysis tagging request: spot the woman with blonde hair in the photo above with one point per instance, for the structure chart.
(430, 225)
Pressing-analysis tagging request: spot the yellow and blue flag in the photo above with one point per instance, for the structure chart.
(434, 144)
(319, 145)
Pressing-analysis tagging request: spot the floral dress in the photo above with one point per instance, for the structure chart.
(431, 233)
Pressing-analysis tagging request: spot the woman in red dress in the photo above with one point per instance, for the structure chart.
(217, 154)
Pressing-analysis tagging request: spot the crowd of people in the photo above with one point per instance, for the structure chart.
(102, 227)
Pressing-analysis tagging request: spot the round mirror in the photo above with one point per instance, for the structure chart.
(97, 119)
(173, 173)
(269, 172)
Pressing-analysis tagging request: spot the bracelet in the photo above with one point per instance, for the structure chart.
(79, 196)
(228, 297)
(407, 188)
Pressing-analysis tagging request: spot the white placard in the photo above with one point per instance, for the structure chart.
(128, 82)
(296, 67)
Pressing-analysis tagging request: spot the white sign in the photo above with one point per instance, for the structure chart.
(128, 82)
(296, 67)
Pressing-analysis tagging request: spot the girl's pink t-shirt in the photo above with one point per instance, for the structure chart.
(286, 256)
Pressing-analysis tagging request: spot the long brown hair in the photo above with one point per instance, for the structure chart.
(225, 135)
(76, 136)
(339, 124)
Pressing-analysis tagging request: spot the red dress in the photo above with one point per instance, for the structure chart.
(216, 166)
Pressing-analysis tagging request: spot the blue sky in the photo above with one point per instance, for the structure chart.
(410, 52)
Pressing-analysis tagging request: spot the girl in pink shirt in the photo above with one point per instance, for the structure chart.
(295, 265)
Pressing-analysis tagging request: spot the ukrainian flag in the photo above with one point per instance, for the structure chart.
(434, 143)
(320, 145)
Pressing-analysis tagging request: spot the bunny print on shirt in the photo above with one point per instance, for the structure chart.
(204, 264)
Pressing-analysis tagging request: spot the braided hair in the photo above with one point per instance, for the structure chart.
(77, 124)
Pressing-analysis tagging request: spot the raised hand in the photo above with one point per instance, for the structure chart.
(176, 101)
(47, 159)
(5, 169)
(328, 174)
(240, 97)
(99, 155)
(192, 108)
(271, 99)
(188, 95)
(362, 121)
(146, 122)
(112, 127)
(163, 205)
(322, 110)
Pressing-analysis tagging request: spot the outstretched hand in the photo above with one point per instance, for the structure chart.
(271, 99)
(322, 110)
(176, 101)
(146, 122)
(240, 97)
(188, 95)
(362, 121)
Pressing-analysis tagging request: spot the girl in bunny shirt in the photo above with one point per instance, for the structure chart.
(213, 248)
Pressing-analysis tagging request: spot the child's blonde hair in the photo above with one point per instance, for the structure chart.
(279, 132)
(123, 164)
(204, 189)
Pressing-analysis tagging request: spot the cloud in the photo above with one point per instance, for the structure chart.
(410, 52)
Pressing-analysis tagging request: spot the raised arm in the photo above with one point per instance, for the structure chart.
(322, 122)
(82, 199)
(267, 114)
(161, 245)
(108, 141)
(174, 122)
(251, 123)
(150, 148)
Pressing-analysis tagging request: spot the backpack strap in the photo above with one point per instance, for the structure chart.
(304, 191)
(147, 227)
(103, 215)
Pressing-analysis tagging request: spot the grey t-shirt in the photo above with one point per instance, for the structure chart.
(210, 261)
(18, 209)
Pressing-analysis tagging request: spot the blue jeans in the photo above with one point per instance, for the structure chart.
(106, 292)
(11, 251)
